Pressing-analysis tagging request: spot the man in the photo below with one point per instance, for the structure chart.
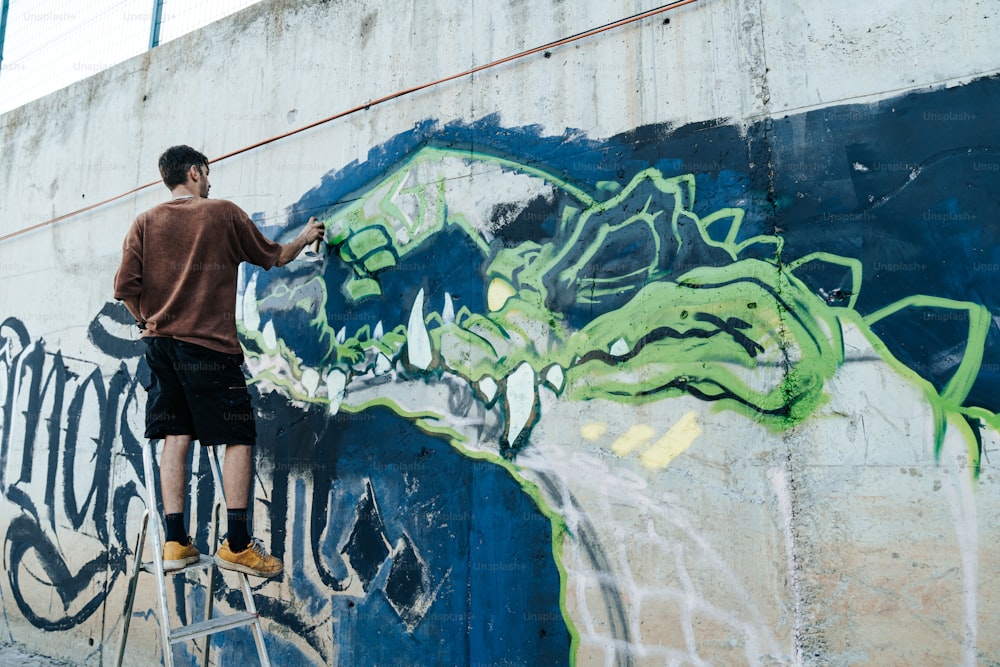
(178, 278)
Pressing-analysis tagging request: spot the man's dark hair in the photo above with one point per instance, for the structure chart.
(175, 162)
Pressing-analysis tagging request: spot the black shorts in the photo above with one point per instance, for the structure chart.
(198, 392)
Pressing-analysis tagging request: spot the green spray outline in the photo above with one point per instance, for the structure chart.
(799, 323)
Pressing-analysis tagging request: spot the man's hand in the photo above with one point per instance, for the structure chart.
(313, 231)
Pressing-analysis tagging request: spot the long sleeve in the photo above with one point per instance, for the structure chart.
(128, 279)
(254, 246)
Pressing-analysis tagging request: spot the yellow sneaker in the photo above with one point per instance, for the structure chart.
(177, 556)
(253, 560)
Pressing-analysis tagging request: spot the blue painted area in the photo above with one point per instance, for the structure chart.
(484, 548)
(502, 578)
(911, 187)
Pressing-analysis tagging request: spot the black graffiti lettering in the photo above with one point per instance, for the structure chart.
(24, 539)
(63, 414)
(76, 514)
(107, 342)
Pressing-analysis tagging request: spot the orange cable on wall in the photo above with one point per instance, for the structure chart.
(361, 107)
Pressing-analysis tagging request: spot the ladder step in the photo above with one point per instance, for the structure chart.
(204, 562)
(211, 626)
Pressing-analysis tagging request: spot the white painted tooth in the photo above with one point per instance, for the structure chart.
(270, 338)
(342, 335)
(310, 380)
(240, 295)
(377, 333)
(521, 397)
(382, 364)
(418, 341)
(336, 385)
(620, 347)
(250, 314)
(555, 377)
(488, 387)
(448, 312)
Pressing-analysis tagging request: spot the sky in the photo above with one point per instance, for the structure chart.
(50, 44)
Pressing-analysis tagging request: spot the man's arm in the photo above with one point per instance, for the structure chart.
(313, 231)
(128, 278)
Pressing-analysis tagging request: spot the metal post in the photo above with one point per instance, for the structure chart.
(154, 27)
(3, 27)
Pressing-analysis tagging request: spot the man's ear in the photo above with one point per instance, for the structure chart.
(194, 173)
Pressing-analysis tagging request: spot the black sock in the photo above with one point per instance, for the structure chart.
(239, 537)
(176, 532)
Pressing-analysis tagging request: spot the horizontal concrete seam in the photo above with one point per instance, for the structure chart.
(873, 98)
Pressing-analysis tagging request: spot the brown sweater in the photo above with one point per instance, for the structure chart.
(179, 269)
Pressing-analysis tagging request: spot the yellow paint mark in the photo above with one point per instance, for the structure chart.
(499, 291)
(593, 431)
(673, 443)
(636, 437)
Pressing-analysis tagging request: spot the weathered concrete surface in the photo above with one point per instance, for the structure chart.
(14, 656)
(676, 529)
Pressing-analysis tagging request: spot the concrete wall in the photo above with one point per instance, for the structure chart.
(671, 345)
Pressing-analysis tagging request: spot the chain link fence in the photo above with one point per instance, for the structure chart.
(46, 45)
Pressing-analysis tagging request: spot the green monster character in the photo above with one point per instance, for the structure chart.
(634, 298)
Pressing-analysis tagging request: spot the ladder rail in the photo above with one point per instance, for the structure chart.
(248, 601)
(132, 584)
(206, 628)
(210, 593)
(258, 629)
(156, 544)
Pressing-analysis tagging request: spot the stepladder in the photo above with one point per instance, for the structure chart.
(172, 632)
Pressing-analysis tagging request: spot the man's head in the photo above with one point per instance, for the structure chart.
(176, 165)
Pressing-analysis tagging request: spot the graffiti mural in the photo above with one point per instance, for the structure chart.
(352, 528)
(553, 399)
(480, 262)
